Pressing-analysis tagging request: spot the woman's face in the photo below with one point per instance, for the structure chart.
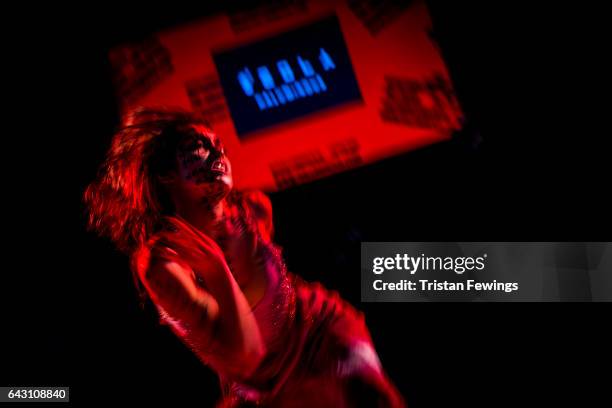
(204, 171)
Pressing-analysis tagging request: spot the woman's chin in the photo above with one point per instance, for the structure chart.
(217, 189)
(226, 183)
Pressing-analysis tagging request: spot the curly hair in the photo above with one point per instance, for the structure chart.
(126, 201)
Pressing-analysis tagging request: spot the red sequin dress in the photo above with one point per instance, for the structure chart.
(319, 352)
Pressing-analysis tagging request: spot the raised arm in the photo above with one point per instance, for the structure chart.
(197, 295)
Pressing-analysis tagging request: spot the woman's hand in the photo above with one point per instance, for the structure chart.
(173, 287)
(253, 260)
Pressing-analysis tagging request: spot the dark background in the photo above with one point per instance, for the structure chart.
(530, 165)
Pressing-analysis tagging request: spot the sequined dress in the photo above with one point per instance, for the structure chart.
(318, 349)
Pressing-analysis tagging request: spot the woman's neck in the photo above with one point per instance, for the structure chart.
(204, 217)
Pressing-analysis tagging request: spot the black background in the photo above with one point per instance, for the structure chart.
(530, 83)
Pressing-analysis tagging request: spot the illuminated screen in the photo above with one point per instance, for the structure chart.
(287, 76)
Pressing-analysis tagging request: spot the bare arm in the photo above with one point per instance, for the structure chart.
(206, 308)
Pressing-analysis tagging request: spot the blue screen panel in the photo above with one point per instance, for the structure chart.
(285, 77)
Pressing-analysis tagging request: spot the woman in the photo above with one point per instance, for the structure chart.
(203, 254)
